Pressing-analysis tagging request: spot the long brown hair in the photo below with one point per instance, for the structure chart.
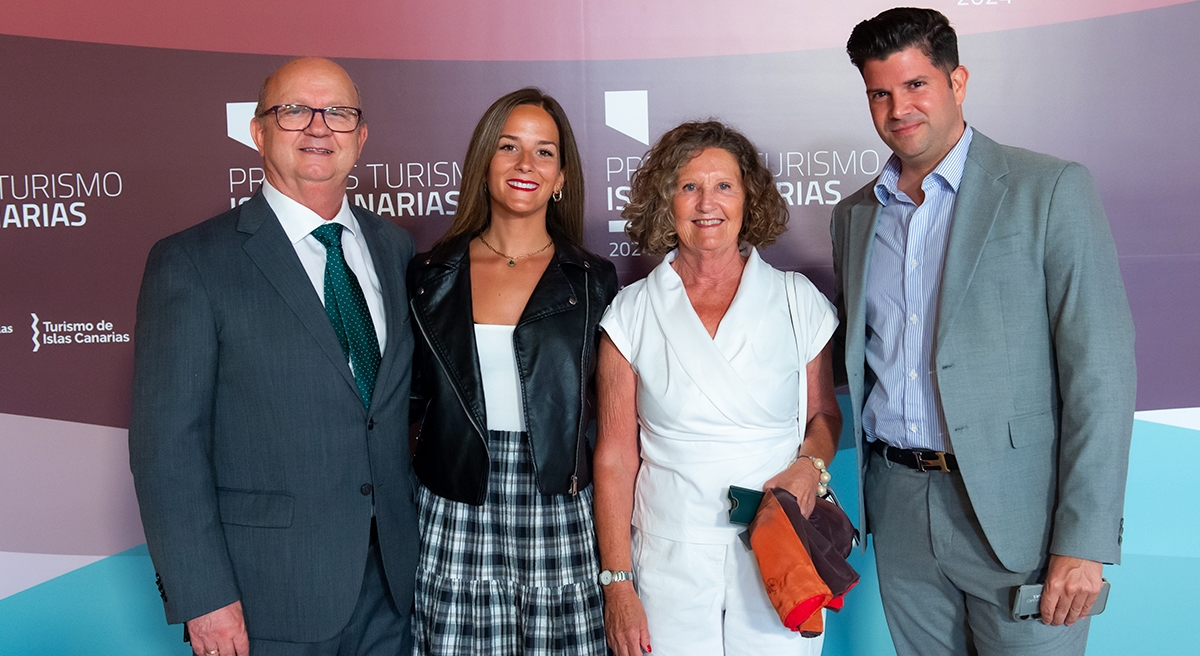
(564, 218)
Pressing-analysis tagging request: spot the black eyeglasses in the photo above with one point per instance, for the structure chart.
(298, 117)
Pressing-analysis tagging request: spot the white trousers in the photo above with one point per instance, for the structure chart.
(709, 599)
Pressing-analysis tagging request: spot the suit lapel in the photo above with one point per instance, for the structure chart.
(980, 195)
(271, 251)
(389, 270)
(860, 238)
(856, 257)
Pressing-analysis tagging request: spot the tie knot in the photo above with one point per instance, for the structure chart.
(329, 234)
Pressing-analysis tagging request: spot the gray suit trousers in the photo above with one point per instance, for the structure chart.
(943, 589)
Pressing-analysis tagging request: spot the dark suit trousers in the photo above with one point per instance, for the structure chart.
(943, 590)
(377, 627)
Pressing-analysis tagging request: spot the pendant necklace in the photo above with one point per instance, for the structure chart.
(512, 259)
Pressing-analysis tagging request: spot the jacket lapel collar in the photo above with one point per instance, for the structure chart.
(553, 294)
(389, 270)
(443, 314)
(268, 247)
(980, 195)
(861, 237)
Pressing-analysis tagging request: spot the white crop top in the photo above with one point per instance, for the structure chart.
(501, 385)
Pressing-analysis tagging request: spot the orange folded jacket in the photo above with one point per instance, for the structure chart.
(803, 560)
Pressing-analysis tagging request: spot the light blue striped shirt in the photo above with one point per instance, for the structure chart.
(904, 276)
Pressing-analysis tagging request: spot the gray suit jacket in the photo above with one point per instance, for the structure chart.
(250, 447)
(1033, 352)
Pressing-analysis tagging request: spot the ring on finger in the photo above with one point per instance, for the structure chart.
(213, 652)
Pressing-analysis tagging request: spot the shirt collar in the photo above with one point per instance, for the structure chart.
(297, 220)
(949, 170)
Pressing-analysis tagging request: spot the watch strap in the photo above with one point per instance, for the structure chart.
(609, 576)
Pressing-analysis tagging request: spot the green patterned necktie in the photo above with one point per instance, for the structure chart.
(347, 310)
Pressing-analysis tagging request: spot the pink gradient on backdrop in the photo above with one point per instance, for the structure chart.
(501, 30)
(65, 488)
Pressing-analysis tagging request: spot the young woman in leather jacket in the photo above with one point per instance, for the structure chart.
(505, 309)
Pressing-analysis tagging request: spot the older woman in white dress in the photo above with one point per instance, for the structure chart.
(710, 374)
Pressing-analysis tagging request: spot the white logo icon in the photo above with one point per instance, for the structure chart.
(628, 112)
(237, 122)
(36, 332)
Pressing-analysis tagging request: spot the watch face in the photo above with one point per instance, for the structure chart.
(605, 577)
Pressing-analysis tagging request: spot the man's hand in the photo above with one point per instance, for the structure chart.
(222, 631)
(1070, 589)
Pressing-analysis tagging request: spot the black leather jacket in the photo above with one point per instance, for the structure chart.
(555, 343)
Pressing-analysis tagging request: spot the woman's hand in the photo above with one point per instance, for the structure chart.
(625, 620)
(801, 479)
(823, 425)
(615, 469)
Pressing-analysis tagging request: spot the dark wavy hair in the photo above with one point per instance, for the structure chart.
(903, 28)
(564, 218)
(651, 220)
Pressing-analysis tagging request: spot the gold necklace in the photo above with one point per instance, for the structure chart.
(512, 260)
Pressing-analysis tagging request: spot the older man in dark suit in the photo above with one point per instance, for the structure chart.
(268, 439)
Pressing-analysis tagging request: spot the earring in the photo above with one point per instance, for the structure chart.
(557, 195)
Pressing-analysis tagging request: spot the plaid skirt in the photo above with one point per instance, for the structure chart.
(517, 575)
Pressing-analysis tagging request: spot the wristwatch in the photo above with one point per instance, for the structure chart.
(609, 576)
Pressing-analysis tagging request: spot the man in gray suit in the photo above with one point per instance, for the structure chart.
(268, 438)
(989, 358)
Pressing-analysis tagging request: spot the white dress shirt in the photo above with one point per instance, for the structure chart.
(298, 222)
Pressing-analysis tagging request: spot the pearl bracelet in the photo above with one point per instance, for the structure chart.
(824, 478)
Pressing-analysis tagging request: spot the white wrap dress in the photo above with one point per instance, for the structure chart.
(712, 412)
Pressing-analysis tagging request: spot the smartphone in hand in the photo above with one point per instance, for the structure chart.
(1028, 599)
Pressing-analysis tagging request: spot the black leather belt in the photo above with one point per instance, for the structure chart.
(922, 461)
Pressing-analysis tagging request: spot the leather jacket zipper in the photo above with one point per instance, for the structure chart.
(446, 371)
(580, 430)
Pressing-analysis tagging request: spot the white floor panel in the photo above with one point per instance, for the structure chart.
(21, 571)
(1181, 417)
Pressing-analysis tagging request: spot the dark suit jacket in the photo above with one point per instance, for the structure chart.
(254, 460)
(1033, 352)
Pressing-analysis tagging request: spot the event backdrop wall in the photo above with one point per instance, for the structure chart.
(127, 121)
